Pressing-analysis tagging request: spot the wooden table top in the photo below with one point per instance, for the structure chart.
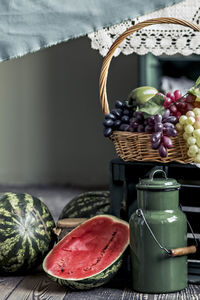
(39, 286)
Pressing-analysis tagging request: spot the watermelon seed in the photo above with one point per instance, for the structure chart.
(102, 253)
(110, 241)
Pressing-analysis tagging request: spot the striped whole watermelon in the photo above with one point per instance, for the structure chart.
(25, 232)
(87, 205)
(90, 255)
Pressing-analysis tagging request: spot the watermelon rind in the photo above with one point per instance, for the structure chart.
(97, 279)
(26, 232)
(87, 205)
(94, 281)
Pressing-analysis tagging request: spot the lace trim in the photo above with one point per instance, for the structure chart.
(157, 39)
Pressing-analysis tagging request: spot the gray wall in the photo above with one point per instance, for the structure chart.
(51, 118)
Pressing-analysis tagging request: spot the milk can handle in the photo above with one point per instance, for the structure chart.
(171, 252)
(154, 172)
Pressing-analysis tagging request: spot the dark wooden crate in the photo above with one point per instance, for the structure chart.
(125, 175)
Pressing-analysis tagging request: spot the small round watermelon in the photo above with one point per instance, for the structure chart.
(87, 205)
(26, 232)
(90, 255)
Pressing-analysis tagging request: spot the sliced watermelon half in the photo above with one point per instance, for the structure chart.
(90, 255)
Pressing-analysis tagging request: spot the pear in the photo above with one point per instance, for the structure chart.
(141, 95)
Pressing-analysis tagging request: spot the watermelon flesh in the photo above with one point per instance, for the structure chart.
(88, 249)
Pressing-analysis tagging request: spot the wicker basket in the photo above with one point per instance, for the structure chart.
(136, 146)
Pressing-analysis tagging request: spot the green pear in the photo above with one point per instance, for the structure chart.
(141, 95)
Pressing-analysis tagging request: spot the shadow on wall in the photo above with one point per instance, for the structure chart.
(51, 118)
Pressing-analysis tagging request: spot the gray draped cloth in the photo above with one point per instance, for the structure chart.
(29, 25)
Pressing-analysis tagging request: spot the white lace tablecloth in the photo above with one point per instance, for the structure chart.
(157, 39)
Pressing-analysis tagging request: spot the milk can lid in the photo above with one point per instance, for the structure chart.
(160, 183)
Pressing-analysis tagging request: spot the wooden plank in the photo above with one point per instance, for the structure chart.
(8, 284)
(191, 293)
(37, 286)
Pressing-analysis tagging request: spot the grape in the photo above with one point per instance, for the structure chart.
(196, 110)
(108, 123)
(171, 96)
(117, 112)
(151, 121)
(108, 131)
(179, 104)
(134, 124)
(166, 113)
(182, 120)
(158, 118)
(190, 114)
(167, 142)
(170, 132)
(140, 128)
(171, 119)
(139, 116)
(117, 123)
(124, 127)
(110, 116)
(189, 128)
(197, 125)
(190, 120)
(177, 94)
(156, 144)
(191, 154)
(193, 149)
(173, 132)
(198, 142)
(191, 141)
(173, 109)
(196, 133)
(133, 120)
(162, 150)
(179, 127)
(186, 136)
(119, 104)
(191, 125)
(168, 125)
(158, 127)
(197, 159)
(167, 102)
(156, 136)
(126, 112)
(125, 119)
(149, 129)
(118, 119)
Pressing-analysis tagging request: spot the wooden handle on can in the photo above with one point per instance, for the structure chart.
(183, 251)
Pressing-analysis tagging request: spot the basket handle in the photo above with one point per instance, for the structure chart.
(120, 39)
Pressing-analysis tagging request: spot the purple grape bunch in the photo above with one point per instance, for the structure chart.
(118, 118)
(164, 129)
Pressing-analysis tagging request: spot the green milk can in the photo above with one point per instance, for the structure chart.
(158, 237)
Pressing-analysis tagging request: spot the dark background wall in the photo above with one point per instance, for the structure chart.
(51, 118)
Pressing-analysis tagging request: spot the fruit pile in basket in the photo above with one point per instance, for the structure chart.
(148, 111)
